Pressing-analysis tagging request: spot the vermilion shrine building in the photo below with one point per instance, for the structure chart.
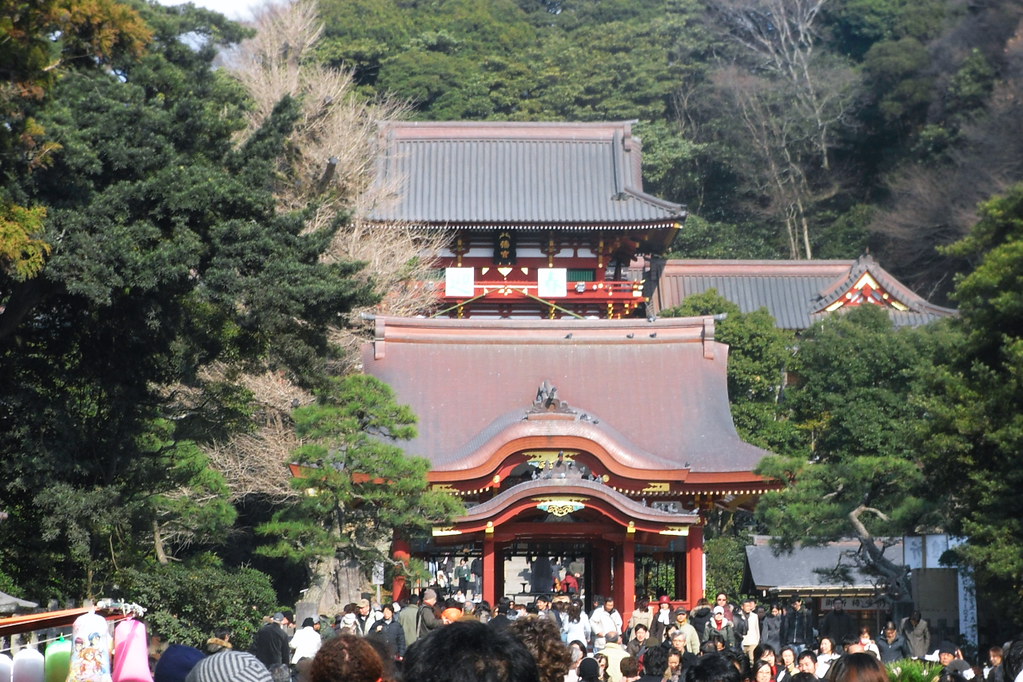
(546, 219)
(569, 425)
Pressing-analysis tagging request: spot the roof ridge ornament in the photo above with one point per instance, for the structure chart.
(547, 399)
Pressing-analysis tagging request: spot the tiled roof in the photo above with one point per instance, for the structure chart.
(795, 292)
(652, 394)
(526, 175)
(810, 571)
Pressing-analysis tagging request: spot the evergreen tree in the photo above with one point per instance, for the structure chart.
(168, 258)
(359, 487)
(975, 405)
(860, 474)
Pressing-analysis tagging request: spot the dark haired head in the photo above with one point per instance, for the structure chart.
(713, 668)
(849, 640)
(761, 663)
(1012, 663)
(589, 669)
(469, 651)
(858, 667)
(655, 660)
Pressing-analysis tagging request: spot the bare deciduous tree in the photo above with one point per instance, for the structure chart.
(936, 204)
(335, 148)
(780, 38)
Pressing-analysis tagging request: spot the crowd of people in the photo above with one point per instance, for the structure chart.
(428, 638)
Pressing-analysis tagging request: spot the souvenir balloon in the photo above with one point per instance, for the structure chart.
(90, 650)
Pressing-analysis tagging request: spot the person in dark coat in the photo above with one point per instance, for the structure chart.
(892, 646)
(391, 632)
(501, 620)
(838, 624)
(270, 643)
(996, 673)
(797, 627)
(699, 616)
(428, 620)
(770, 628)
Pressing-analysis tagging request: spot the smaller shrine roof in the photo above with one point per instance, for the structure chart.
(811, 571)
(794, 292)
(520, 175)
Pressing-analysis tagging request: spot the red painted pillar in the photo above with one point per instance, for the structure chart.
(489, 570)
(617, 584)
(695, 579)
(498, 571)
(627, 577)
(400, 551)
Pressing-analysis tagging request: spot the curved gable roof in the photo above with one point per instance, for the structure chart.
(794, 292)
(516, 174)
(662, 382)
(600, 495)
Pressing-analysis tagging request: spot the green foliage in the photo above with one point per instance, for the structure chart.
(861, 473)
(726, 561)
(845, 236)
(187, 603)
(912, 670)
(39, 42)
(360, 488)
(168, 258)
(669, 161)
(970, 86)
(975, 432)
(22, 253)
(896, 71)
(860, 24)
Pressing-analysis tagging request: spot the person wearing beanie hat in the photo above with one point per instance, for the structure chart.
(450, 615)
(176, 662)
(229, 666)
(306, 641)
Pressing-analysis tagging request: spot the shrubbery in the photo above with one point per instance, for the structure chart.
(185, 604)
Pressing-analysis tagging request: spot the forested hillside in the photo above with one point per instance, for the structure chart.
(791, 128)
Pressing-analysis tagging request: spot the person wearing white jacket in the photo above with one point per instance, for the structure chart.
(603, 620)
(305, 642)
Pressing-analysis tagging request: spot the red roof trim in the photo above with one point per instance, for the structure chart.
(610, 503)
(486, 460)
(52, 619)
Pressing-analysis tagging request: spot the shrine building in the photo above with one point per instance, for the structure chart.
(603, 440)
(569, 422)
(796, 292)
(545, 219)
